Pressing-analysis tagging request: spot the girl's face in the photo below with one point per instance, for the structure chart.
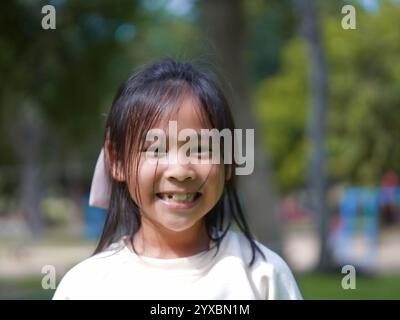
(175, 195)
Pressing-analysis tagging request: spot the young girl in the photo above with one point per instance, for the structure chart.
(167, 233)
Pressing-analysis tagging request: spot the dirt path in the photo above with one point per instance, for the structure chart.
(300, 250)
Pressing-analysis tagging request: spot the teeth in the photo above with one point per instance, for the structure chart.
(181, 197)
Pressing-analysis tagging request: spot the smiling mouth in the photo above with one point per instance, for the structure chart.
(178, 197)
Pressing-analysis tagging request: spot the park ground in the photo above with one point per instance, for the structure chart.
(22, 261)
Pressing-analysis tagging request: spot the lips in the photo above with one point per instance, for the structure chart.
(179, 200)
(178, 197)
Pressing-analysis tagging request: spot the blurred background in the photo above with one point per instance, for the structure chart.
(323, 98)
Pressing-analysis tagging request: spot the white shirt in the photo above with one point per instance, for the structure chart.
(118, 273)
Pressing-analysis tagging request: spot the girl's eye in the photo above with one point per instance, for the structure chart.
(155, 151)
(200, 150)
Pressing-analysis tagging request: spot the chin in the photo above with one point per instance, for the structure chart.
(179, 226)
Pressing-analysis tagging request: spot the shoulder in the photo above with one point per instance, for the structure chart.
(269, 267)
(86, 274)
(238, 244)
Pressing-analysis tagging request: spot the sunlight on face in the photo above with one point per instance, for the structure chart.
(177, 195)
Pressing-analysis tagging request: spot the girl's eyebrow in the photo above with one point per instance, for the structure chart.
(201, 138)
(198, 135)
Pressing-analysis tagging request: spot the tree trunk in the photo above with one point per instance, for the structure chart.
(224, 26)
(317, 118)
(27, 143)
(75, 188)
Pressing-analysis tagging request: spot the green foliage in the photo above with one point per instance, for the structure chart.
(281, 103)
(57, 211)
(270, 24)
(363, 119)
(362, 138)
(62, 72)
(70, 75)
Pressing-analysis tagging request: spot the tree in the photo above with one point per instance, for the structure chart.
(59, 77)
(224, 25)
(317, 121)
(362, 134)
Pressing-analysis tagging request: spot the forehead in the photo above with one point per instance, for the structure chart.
(189, 114)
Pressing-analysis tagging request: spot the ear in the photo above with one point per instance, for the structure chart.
(100, 190)
(114, 166)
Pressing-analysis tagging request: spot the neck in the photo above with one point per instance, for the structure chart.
(153, 240)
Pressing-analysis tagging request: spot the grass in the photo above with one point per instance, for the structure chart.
(328, 287)
(312, 286)
(26, 288)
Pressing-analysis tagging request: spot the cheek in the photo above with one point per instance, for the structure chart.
(215, 176)
(142, 182)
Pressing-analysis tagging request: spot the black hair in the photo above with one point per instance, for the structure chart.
(145, 97)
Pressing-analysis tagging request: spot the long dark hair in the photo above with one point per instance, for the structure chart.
(148, 95)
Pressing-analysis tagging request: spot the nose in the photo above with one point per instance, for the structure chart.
(179, 171)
